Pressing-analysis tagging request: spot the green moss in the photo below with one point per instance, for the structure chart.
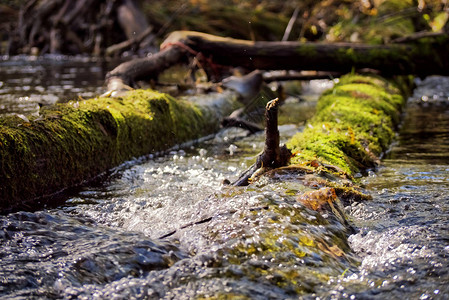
(283, 248)
(73, 142)
(353, 125)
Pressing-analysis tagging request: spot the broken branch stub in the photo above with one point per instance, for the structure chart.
(272, 156)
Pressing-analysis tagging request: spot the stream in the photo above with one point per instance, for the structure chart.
(167, 227)
(27, 82)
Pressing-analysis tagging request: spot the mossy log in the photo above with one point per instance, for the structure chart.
(74, 142)
(303, 246)
(353, 126)
(418, 58)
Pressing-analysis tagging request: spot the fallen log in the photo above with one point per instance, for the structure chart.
(290, 226)
(352, 128)
(68, 144)
(420, 58)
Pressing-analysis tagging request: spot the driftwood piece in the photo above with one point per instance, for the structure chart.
(148, 67)
(418, 59)
(267, 78)
(117, 48)
(273, 156)
(339, 57)
(241, 123)
(419, 35)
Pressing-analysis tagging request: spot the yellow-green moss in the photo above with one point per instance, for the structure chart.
(73, 142)
(353, 125)
(288, 249)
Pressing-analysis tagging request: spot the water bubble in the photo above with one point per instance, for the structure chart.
(232, 149)
(202, 152)
(232, 169)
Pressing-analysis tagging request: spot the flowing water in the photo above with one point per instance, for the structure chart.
(168, 227)
(404, 236)
(28, 82)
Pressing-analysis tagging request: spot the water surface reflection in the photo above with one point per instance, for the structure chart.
(27, 82)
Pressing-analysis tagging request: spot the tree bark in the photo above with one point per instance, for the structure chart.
(421, 58)
(273, 156)
(72, 143)
(147, 67)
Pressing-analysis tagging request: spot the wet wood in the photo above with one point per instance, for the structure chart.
(146, 67)
(241, 123)
(338, 57)
(273, 156)
(213, 52)
(132, 42)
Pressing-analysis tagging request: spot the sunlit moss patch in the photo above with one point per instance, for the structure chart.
(353, 125)
(69, 143)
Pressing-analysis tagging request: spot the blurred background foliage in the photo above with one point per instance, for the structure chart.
(357, 21)
(369, 21)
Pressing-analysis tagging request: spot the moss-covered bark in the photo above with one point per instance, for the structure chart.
(70, 143)
(353, 126)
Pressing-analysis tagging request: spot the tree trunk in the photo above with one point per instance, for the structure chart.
(420, 58)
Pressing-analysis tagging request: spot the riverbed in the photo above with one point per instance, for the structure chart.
(167, 226)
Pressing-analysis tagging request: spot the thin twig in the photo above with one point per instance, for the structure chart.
(290, 24)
